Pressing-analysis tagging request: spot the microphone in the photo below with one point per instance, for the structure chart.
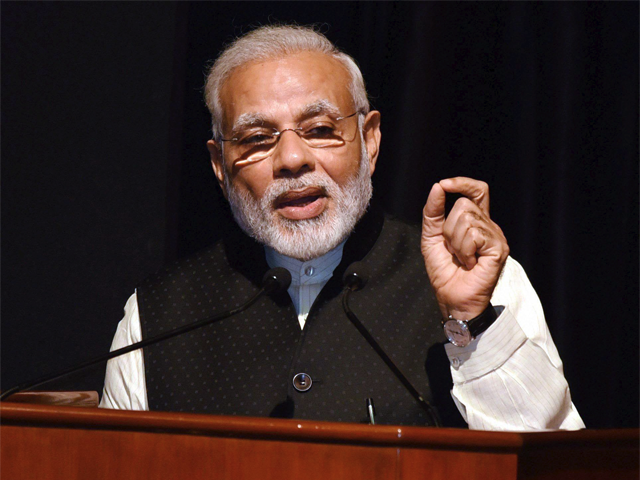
(356, 276)
(354, 279)
(275, 281)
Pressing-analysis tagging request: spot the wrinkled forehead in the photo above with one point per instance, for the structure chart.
(285, 90)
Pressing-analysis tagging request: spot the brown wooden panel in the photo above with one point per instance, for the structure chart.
(580, 462)
(70, 399)
(64, 442)
(97, 454)
(259, 427)
(268, 428)
(423, 464)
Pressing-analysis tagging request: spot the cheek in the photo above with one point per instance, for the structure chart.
(254, 179)
(342, 168)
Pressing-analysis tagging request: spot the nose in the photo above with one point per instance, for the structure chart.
(291, 156)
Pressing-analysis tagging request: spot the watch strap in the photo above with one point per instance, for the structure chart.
(482, 322)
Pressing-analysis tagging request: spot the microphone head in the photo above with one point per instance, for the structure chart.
(276, 280)
(356, 276)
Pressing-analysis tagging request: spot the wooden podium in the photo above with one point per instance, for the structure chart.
(53, 442)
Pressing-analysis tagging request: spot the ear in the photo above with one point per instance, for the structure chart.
(217, 163)
(372, 135)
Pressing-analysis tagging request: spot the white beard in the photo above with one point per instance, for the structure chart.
(308, 238)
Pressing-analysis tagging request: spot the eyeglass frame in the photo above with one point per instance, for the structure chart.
(278, 133)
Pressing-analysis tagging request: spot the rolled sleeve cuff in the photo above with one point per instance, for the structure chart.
(489, 351)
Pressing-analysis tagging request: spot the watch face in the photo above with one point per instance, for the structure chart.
(457, 332)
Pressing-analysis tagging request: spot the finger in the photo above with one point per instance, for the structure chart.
(463, 212)
(466, 240)
(487, 238)
(433, 212)
(455, 244)
(455, 233)
(468, 247)
(471, 245)
(476, 190)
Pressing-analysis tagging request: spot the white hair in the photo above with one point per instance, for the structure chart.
(271, 42)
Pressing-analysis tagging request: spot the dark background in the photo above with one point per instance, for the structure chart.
(105, 175)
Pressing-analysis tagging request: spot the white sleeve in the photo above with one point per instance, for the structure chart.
(510, 377)
(124, 384)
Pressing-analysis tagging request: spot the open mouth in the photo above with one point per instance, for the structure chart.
(300, 204)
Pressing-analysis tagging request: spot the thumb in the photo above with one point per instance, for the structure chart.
(433, 213)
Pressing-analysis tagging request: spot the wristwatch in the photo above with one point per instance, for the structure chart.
(462, 332)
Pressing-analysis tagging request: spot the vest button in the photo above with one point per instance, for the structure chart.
(302, 382)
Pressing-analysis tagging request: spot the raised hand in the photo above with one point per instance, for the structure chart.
(464, 253)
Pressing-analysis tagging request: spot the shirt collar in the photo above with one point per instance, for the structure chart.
(316, 270)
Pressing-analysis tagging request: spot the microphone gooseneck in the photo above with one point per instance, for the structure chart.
(275, 280)
(355, 278)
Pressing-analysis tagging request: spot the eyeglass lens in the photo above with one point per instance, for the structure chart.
(317, 132)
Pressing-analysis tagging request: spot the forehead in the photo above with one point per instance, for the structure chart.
(279, 89)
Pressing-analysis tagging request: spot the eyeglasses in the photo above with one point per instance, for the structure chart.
(325, 131)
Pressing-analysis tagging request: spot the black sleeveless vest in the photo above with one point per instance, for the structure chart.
(244, 365)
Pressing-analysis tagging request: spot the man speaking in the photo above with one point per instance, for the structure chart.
(294, 147)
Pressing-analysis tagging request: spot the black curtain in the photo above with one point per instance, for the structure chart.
(538, 99)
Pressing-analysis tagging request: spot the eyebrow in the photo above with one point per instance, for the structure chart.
(320, 107)
(248, 120)
(254, 119)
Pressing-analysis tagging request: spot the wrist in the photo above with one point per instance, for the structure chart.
(462, 331)
(465, 313)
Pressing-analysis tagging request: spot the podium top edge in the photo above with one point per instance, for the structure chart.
(16, 414)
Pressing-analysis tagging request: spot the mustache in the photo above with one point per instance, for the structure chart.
(282, 186)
